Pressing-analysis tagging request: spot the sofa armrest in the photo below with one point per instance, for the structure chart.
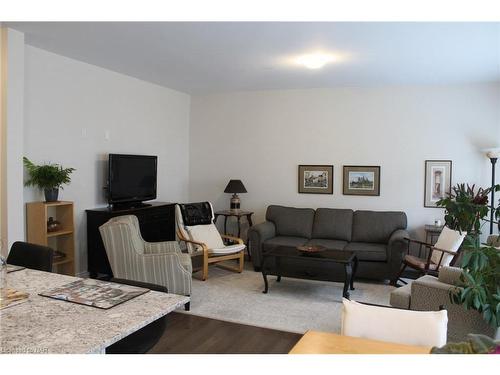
(256, 236)
(450, 275)
(397, 248)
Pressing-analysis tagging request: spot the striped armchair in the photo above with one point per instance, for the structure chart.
(132, 258)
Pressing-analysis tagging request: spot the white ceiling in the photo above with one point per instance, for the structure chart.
(219, 57)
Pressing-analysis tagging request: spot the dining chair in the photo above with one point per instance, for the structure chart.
(385, 323)
(30, 255)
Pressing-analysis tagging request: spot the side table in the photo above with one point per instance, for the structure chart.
(238, 214)
(432, 232)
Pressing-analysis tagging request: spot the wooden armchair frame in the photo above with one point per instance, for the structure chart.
(426, 269)
(213, 258)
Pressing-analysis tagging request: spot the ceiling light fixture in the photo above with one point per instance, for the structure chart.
(315, 60)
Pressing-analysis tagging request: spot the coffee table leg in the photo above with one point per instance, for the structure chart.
(348, 279)
(278, 279)
(262, 267)
(354, 272)
(266, 286)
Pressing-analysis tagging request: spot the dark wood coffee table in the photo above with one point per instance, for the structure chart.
(324, 265)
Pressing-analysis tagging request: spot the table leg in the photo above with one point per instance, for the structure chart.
(239, 226)
(264, 275)
(347, 281)
(249, 219)
(225, 225)
(354, 272)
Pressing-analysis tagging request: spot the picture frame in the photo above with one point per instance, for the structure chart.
(315, 179)
(437, 185)
(361, 180)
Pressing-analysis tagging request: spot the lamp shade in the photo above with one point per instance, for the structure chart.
(493, 153)
(235, 187)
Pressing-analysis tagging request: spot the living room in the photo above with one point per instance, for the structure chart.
(334, 140)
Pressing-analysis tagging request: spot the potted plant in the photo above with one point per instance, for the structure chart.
(479, 287)
(48, 177)
(466, 210)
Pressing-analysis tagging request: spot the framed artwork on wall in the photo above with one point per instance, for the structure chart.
(437, 181)
(316, 179)
(361, 180)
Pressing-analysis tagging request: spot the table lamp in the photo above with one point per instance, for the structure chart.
(492, 154)
(235, 187)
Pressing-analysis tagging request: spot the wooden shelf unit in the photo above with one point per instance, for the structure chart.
(63, 240)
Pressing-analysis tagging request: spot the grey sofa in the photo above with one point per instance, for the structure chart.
(429, 293)
(376, 237)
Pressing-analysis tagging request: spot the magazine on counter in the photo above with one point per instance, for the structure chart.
(95, 293)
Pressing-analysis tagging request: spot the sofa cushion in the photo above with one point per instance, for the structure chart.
(333, 223)
(283, 241)
(290, 221)
(377, 227)
(329, 244)
(368, 251)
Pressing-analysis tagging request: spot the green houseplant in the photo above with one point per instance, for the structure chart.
(466, 210)
(48, 177)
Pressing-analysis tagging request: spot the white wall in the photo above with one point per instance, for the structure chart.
(69, 105)
(261, 137)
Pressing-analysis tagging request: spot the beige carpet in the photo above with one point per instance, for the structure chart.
(291, 305)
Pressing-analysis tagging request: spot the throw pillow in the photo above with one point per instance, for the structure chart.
(208, 234)
(450, 240)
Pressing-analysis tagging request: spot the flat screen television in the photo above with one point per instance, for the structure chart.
(131, 178)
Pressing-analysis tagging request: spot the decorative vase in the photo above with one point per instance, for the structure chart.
(53, 225)
(51, 194)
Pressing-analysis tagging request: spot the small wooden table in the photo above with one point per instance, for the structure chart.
(314, 342)
(238, 214)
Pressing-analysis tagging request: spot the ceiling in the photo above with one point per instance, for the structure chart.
(208, 57)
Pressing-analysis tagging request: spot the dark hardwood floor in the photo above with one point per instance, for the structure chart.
(190, 334)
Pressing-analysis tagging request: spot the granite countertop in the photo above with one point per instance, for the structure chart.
(46, 325)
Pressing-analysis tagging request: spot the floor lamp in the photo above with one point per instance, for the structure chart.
(493, 155)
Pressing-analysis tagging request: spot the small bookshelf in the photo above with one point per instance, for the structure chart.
(61, 240)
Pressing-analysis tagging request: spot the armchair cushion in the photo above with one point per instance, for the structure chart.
(449, 239)
(418, 263)
(208, 234)
(450, 275)
(227, 249)
(196, 213)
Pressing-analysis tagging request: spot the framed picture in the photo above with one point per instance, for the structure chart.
(437, 181)
(316, 179)
(361, 180)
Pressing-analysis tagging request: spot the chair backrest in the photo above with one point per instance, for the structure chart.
(422, 328)
(32, 256)
(202, 229)
(450, 240)
(123, 241)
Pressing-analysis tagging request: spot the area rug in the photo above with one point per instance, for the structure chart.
(291, 305)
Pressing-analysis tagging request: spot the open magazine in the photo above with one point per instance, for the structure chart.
(95, 293)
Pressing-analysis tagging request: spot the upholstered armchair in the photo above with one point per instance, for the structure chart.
(132, 258)
(195, 227)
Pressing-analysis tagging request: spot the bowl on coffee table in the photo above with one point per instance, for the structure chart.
(310, 249)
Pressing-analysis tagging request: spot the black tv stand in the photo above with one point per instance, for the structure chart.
(156, 221)
(129, 206)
